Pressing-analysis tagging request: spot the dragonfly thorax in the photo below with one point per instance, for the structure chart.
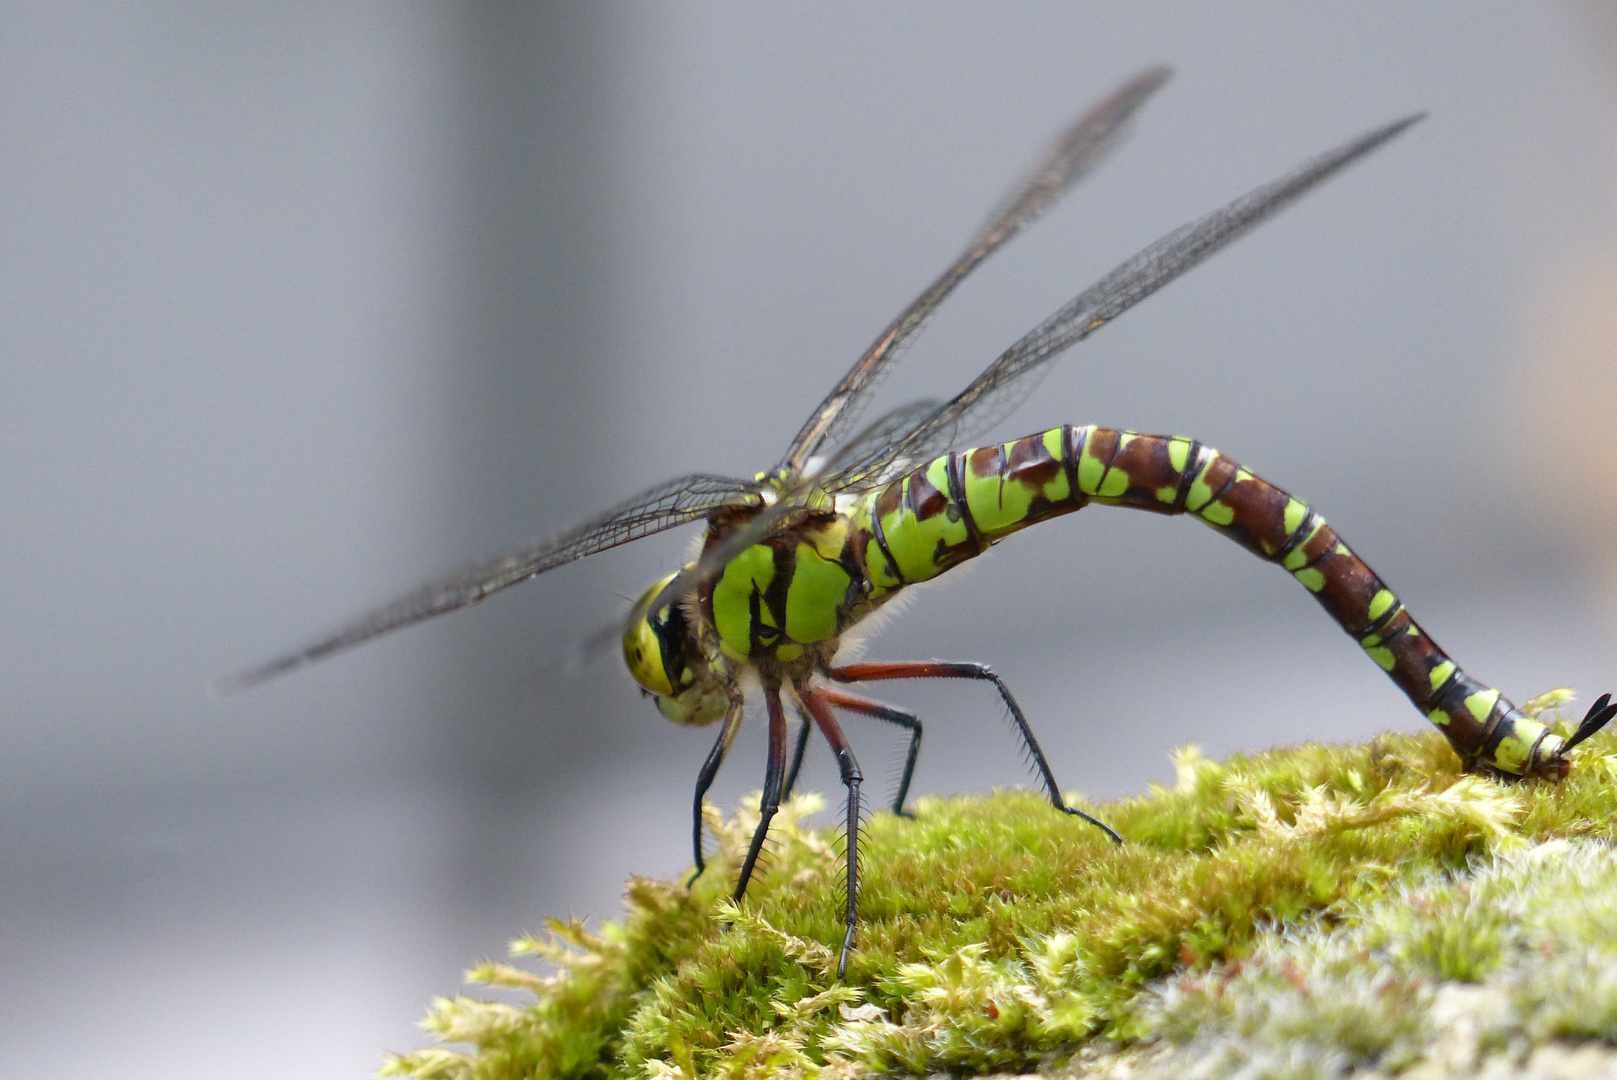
(784, 602)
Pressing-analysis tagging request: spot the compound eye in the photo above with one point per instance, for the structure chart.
(644, 649)
(643, 653)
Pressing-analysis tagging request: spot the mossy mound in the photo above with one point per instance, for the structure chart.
(1307, 902)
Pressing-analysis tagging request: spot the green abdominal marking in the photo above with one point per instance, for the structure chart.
(954, 507)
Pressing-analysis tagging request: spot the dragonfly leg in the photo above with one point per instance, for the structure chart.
(818, 704)
(938, 669)
(906, 720)
(774, 776)
(704, 780)
(797, 754)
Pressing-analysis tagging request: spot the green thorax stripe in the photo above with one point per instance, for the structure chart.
(789, 591)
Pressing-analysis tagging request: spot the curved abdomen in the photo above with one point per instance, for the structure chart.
(955, 506)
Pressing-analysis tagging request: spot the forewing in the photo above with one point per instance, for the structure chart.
(869, 449)
(712, 562)
(1006, 383)
(1073, 155)
(676, 502)
(869, 445)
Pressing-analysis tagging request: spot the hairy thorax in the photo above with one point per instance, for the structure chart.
(782, 605)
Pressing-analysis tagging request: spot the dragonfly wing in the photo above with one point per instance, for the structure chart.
(1072, 156)
(1006, 383)
(676, 502)
(712, 562)
(869, 444)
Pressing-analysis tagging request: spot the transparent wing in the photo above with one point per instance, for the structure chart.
(676, 502)
(1013, 376)
(867, 459)
(887, 429)
(1072, 156)
(712, 562)
(870, 443)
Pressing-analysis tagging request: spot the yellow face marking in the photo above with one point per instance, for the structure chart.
(786, 652)
(694, 708)
(1481, 703)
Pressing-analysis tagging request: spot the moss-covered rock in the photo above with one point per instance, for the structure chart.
(1295, 913)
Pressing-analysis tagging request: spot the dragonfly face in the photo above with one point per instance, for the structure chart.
(669, 663)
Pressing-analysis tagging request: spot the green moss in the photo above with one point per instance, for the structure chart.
(1301, 902)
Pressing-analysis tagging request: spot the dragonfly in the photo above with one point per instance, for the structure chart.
(794, 558)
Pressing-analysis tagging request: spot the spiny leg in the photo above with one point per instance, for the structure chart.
(816, 702)
(906, 720)
(797, 754)
(704, 780)
(938, 669)
(774, 776)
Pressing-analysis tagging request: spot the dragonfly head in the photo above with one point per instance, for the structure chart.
(670, 665)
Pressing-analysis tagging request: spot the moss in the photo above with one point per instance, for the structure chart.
(1288, 913)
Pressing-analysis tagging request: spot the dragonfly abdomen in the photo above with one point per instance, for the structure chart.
(955, 506)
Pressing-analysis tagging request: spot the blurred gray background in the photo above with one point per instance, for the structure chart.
(303, 305)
